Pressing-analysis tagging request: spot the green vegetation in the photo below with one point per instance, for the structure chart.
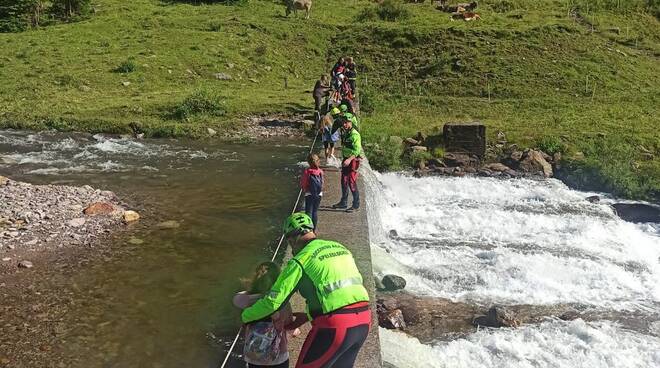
(574, 76)
(19, 15)
(199, 103)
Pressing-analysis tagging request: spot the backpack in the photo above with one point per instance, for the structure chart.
(263, 343)
(315, 184)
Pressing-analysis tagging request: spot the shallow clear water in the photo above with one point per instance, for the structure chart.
(487, 241)
(165, 302)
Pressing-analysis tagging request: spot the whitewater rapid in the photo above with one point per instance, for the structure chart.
(53, 153)
(488, 241)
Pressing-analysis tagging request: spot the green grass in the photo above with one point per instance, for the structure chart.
(576, 74)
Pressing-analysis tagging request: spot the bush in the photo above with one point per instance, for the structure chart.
(551, 145)
(416, 156)
(215, 27)
(385, 154)
(198, 103)
(127, 66)
(388, 10)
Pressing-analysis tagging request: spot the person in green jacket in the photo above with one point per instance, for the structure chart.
(351, 150)
(325, 274)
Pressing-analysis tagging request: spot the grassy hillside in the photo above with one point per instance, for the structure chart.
(579, 74)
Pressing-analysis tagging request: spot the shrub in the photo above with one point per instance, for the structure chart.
(551, 145)
(127, 66)
(416, 156)
(388, 10)
(197, 103)
(385, 155)
(215, 27)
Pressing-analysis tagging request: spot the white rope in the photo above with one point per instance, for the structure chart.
(279, 244)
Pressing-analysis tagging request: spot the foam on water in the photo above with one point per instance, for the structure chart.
(51, 153)
(550, 344)
(510, 241)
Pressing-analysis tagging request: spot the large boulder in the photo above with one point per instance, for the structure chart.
(3, 180)
(465, 137)
(637, 212)
(534, 162)
(393, 282)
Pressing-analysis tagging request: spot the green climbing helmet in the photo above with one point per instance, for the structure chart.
(297, 224)
(343, 108)
(334, 111)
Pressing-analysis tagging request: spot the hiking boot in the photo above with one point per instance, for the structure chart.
(339, 205)
(352, 209)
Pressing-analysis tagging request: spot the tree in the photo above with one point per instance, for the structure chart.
(16, 15)
(66, 9)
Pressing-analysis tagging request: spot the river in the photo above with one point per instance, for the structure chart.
(487, 241)
(165, 301)
(163, 298)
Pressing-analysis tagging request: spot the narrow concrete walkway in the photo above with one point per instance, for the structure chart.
(350, 229)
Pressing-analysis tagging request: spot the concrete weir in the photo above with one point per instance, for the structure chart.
(351, 230)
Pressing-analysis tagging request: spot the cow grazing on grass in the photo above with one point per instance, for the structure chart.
(292, 6)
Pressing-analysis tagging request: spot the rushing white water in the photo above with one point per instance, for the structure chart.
(51, 153)
(550, 344)
(485, 241)
(512, 241)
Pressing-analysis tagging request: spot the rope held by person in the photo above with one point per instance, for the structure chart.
(279, 245)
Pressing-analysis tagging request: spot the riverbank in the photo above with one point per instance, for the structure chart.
(35, 219)
(583, 75)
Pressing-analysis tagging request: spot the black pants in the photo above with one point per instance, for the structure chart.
(283, 365)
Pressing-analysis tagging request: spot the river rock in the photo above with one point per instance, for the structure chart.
(496, 166)
(130, 216)
(135, 241)
(393, 282)
(25, 264)
(637, 212)
(392, 319)
(416, 149)
(165, 225)
(211, 132)
(593, 199)
(534, 162)
(497, 317)
(459, 160)
(77, 222)
(412, 142)
(99, 208)
(3, 180)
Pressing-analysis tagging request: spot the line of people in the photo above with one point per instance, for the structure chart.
(324, 272)
(339, 88)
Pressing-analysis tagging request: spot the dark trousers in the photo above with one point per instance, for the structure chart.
(349, 176)
(312, 204)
